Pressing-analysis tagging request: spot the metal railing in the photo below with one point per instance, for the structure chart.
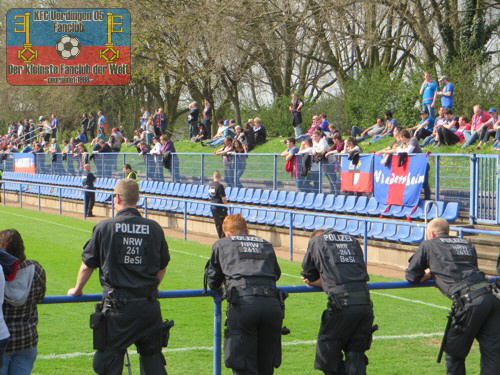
(217, 297)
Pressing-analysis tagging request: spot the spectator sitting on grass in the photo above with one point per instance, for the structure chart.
(390, 124)
(260, 131)
(446, 135)
(490, 130)
(201, 134)
(439, 122)
(372, 131)
(479, 125)
(315, 125)
(81, 137)
(338, 145)
(250, 136)
(424, 128)
(222, 132)
(324, 124)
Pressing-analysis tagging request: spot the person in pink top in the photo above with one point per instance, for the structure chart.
(315, 124)
(479, 125)
(446, 136)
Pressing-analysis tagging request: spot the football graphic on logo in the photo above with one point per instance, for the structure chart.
(68, 47)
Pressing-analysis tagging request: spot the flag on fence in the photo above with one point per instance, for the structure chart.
(24, 163)
(399, 184)
(359, 177)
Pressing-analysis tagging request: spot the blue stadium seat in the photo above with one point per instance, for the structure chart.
(359, 206)
(309, 221)
(192, 208)
(351, 227)
(318, 201)
(281, 199)
(252, 216)
(273, 197)
(418, 214)
(257, 194)
(350, 203)
(376, 229)
(417, 235)
(308, 201)
(190, 191)
(264, 196)
(372, 204)
(241, 195)
(282, 219)
(248, 196)
(235, 210)
(451, 211)
(233, 195)
(159, 188)
(261, 216)
(161, 207)
(402, 234)
(245, 212)
(339, 203)
(205, 194)
(340, 224)
(299, 200)
(377, 211)
(440, 208)
(328, 202)
(175, 189)
(298, 221)
(270, 217)
(290, 198)
(319, 222)
(330, 223)
(389, 231)
(207, 211)
(392, 211)
(182, 189)
(405, 212)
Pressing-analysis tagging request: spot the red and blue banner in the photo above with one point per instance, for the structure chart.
(68, 47)
(24, 163)
(359, 177)
(399, 184)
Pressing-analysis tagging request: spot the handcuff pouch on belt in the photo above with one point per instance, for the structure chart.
(165, 332)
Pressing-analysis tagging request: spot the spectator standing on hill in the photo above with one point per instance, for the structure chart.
(292, 161)
(157, 160)
(143, 118)
(479, 126)
(239, 162)
(296, 112)
(332, 164)
(91, 125)
(102, 123)
(54, 125)
(160, 122)
(47, 131)
(452, 262)
(218, 195)
(447, 93)
(334, 262)
(20, 307)
(54, 150)
(247, 267)
(170, 157)
(424, 128)
(207, 117)
(130, 312)
(428, 90)
(227, 160)
(88, 180)
(192, 119)
(85, 124)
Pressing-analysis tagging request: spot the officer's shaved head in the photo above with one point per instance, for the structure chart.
(234, 224)
(438, 226)
(128, 190)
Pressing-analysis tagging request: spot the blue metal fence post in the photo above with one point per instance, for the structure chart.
(124, 162)
(473, 189)
(437, 161)
(235, 171)
(291, 235)
(217, 332)
(84, 205)
(185, 221)
(365, 240)
(20, 195)
(275, 171)
(112, 206)
(39, 203)
(60, 201)
(146, 162)
(202, 171)
(497, 197)
(320, 178)
(3, 192)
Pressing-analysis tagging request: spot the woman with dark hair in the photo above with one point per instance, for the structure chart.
(91, 125)
(250, 136)
(19, 309)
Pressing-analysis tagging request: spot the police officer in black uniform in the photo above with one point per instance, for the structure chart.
(88, 180)
(248, 268)
(132, 255)
(452, 263)
(334, 261)
(218, 195)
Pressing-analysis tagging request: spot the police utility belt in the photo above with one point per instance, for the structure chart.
(471, 292)
(245, 289)
(117, 298)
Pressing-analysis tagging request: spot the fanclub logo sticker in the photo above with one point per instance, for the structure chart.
(68, 47)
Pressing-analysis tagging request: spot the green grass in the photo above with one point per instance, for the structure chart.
(56, 242)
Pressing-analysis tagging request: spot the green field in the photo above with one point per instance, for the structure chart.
(410, 321)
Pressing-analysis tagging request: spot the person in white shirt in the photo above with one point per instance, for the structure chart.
(317, 149)
(157, 159)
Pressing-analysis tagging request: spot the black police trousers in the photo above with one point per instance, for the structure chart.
(480, 319)
(252, 340)
(89, 202)
(350, 331)
(219, 214)
(136, 323)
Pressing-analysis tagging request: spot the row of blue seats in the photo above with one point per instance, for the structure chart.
(76, 181)
(341, 204)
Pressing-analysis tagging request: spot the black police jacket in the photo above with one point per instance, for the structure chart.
(336, 259)
(241, 257)
(452, 261)
(129, 251)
